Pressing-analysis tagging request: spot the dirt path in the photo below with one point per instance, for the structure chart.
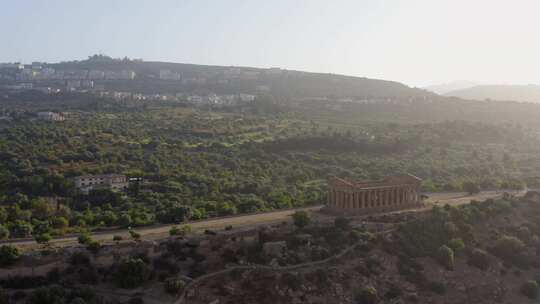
(194, 283)
(249, 220)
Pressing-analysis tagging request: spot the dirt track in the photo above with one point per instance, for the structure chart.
(162, 231)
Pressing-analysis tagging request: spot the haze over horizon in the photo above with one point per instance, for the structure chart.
(418, 43)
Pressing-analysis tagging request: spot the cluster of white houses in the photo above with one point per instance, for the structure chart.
(115, 182)
(51, 116)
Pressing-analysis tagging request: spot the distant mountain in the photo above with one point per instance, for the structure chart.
(444, 88)
(204, 79)
(529, 93)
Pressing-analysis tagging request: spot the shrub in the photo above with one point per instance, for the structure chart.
(368, 295)
(471, 187)
(8, 255)
(174, 230)
(301, 219)
(84, 238)
(479, 258)
(79, 258)
(136, 300)
(393, 292)
(43, 238)
(445, 256)
(181, 231)
(117, 238)
(131, 273)
(93, 246)
(46, 295)
(134, 235)
(89, 275)
(77, 300)
(508, 246)
(530, 289)
(437, 287)
(20, 229)
(4, 297)
(60, 223)
(342, 223)
(4, 232)
(457, 245)
(174, 286)
(291, 280)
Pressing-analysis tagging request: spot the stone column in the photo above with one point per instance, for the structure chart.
(408, 196)
(364, 199)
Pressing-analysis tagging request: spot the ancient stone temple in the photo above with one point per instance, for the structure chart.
(362, 197)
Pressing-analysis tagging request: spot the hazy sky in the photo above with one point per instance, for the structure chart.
(417, 42)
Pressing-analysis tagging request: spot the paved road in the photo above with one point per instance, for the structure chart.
(250, 220)
(162, 231)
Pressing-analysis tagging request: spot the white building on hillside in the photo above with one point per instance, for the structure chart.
(115, 182)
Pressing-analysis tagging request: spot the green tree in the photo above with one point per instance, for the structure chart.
(84, 238)
(181, 231)
(134, 235)
(445, 256)
(174, 286)
(21, 229)
(479, 258)
(4, 232)
(367, 295)
(508, 247)
(60, 223)
(8, 254)
(131, 273)
(301, 219)
(457, 245)
(124, 220)
(49, 295)
(43, 238)
(471, 187)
